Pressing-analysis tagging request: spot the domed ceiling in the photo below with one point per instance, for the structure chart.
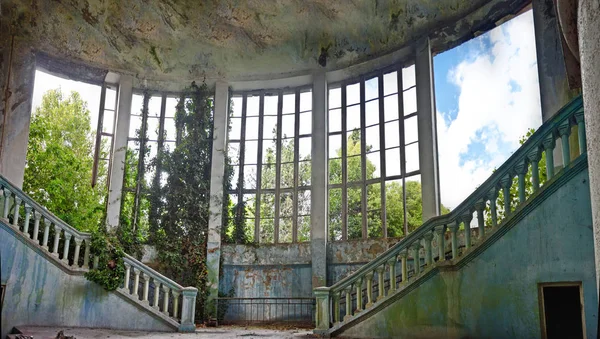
(242, 39)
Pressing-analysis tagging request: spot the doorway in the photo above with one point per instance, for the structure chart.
(561, 310)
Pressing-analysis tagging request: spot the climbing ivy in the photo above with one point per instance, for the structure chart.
(180, 231)
(107, 250)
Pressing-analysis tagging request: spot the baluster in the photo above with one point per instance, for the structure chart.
(86, 253)
(467, 222)
(493, 196)
(336, 307)
(146, 280)
(404, 264)
(454, 230)
(479, 207)
(127, 276)
(77, 250)
(564, 130)
(17, 210)
(427, 238)
(369, 277)
(156, 293)
(441, 240)
(380, 282)
(27, 218)
(521, 170)
(95, 262)
(506, 182)
(36, 225)
(581, 131)
(175, 304)
(136, 282)
(392, 270)
(6, 203)
(47, 224)
(57, 231)
(65, 257)
(534, 158)
(166, 290)
(549, 151)
(348, 303)
(359, 301)
(416, 246)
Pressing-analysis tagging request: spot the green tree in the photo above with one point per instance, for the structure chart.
(60, 161)
(514, 188)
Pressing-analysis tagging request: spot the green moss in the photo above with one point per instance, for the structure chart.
(155, 56)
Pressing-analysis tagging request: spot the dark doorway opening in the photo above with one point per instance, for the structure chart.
(562, 311)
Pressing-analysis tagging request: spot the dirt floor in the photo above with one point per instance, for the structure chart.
(222, 332)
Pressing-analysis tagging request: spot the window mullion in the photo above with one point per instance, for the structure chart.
(382, 169)
(296, 167)
(241, 165)
(402, 142)
(99, 135)
(278, 168)
(141, 156)
(344, 165)
(261, 108)
(363, 161)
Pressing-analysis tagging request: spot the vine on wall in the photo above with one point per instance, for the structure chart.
(180, 229)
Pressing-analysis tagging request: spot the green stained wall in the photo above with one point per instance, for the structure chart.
(496, 294)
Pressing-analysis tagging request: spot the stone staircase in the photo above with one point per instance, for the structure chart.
(30, 224)
(450, 242)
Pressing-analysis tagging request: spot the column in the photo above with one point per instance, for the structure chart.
(552, 68)
(589, 47)
(318, 196)
(428, 160)
(17, 71)
(215, 223)
(117, 169)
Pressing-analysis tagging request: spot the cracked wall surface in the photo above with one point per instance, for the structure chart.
(242, 40)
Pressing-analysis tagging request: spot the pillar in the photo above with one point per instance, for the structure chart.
(589, 47)
(552, 72)
(117, 170)
(17, 77)
(428, 159)
(318, 219)
(215, 223)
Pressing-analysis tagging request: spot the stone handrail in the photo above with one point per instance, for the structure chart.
(177, 304)
(525, 159)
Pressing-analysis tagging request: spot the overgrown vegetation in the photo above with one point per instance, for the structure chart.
(107, 251)
(181, 232)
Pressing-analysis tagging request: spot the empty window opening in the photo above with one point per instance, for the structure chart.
(562, 310)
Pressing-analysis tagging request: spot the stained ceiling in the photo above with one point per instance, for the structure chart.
(240, 40)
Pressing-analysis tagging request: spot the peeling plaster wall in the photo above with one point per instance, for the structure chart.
(496, 294)
(242, 40)
(38, 293)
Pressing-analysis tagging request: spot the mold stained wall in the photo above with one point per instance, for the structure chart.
(38, 293)
(284, 270)
(496, 294)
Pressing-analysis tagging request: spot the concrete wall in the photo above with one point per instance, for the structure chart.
(496, 294)
(39, 293)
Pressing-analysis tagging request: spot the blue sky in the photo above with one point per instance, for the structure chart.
(487, 97)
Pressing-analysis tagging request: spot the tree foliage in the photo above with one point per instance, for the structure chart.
(60, 161)
(181, 235)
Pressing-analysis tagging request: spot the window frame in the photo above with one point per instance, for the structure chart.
(364, 183)
(240, 190)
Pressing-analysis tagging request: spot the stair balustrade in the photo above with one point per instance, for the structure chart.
(482, 203)
(71, 248)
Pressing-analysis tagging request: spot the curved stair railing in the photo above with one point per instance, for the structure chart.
(70, 249)
(348, 292)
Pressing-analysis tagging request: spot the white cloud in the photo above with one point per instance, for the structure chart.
(498, 102)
